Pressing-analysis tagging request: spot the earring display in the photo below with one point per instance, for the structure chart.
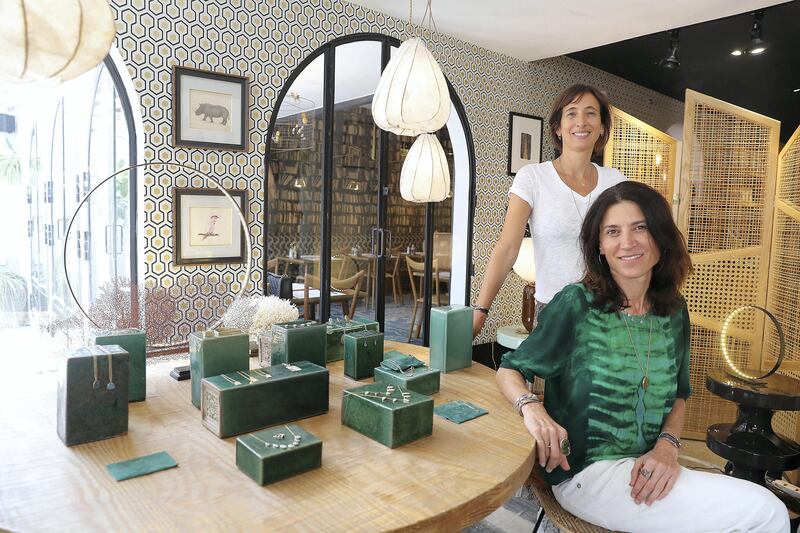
(451, 338)
(93, 394)
(387, 413)
(337, 328)
(243, 401)
(400, 370)
(299, 340)
(363, 351)
(215, 352)
(134, 342)
(277, 453)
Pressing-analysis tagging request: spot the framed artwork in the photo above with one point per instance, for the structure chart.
(524, 141)
(206, 228)
(209, 110)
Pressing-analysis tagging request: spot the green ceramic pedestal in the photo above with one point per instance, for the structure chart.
(424, 380)
(132, 341)
(299, 340)
(392, 423)
(216, 352)
(363, 351)
(237, 402)
(266, 464)
(337, 328)
(92, 402)
(451, 338)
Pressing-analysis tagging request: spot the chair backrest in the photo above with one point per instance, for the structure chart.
(280, 286)
(419, 267)
(442, 249)
(350, 283)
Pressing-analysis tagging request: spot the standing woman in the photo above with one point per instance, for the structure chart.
(553, 197)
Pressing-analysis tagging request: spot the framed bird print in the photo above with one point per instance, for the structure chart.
(207, 228)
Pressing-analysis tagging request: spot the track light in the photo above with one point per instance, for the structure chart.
(757, 44)
(671, 61)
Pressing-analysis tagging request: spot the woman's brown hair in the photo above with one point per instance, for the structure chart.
(571, 94)
(672, 268)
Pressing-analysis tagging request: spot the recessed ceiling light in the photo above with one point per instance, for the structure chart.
(796, 90)
(757, 50)
(736, 53)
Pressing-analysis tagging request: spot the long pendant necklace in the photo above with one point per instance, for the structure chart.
(645, 369)
(581, 216)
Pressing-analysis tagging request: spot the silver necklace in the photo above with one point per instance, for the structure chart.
(280, 436)
(645, 369)
(581, 216)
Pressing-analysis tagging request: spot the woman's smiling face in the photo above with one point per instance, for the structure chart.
(581, 125)
(626, 242)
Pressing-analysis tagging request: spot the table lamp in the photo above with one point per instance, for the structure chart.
(525, 269)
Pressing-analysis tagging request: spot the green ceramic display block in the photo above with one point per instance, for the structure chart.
(423, 380)
(214, 352)
(369, 324)
(392, 418)
(337, 328)
(274, 454)
(451, 338)
(92, 399)
(299, 340)
(239, 402)
(363, 351)
(132, 341)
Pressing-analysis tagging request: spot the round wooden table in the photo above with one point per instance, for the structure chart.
(444, 482)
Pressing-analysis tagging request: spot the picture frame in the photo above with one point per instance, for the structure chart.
(209, 109)
(524, 140)
(206, 228)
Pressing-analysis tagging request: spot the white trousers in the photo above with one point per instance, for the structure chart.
(698, 502)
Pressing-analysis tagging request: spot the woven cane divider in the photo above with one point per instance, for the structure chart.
(641, 152)
(728, 174)
(783, 293)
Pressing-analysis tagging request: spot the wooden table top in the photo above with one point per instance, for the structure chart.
(444, 482)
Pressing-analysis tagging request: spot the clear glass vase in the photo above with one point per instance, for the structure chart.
(265, 348)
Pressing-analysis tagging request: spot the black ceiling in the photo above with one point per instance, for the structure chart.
(762, 83)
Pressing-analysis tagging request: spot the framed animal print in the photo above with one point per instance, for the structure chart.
(210, 110)
(207, 227)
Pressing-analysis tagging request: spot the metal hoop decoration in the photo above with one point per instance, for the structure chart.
(723, 344)
(216, 183)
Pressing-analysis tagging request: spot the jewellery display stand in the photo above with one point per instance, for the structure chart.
(337, 328)
(421, 379)
(132, 341)
(363, 351)
(750, 445)
(299, 340)
(92, 394)
(388, 414)
(214, 352)
(277, 453)
(451, 338)
(242, 401)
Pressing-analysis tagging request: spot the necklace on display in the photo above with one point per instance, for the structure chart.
(388, 396)
(646, 368)
(280, 436)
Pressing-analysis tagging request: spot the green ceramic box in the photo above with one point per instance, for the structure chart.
(424, 380)
(239, 402)
(275, 453)
(299, 340)
(391, 418)
(363, 351)
(451, 338)
(92, 398)
(337, 328)
(369, 324)
(132, 341)
(214, 352)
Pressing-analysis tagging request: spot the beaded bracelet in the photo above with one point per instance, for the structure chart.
(484, 310)
(672, 439)
(524, 400)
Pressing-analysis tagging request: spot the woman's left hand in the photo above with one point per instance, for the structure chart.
(654, 473)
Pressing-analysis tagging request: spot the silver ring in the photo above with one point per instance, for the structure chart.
(645, 473)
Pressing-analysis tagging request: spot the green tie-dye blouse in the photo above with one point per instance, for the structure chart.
(594, 382)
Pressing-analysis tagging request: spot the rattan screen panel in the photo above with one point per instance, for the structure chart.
(728, 174)
(642, 153)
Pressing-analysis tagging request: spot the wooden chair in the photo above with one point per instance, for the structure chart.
(416, 269)
(349, 286)
(395, 275)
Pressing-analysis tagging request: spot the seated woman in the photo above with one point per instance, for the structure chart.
(614, 350)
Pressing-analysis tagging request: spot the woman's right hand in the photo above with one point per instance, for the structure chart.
(478, 319)
(547, 434)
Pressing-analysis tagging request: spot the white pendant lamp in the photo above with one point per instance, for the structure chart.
(53, 40)
(412, 95)
(425, 176)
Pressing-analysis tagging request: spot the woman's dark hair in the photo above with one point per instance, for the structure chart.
(672, 268)
(569, 95)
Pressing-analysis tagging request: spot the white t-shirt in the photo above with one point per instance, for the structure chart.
(556, 218)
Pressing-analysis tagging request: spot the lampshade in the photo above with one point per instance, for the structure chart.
(412, 95)
(425, 176)
(524, 266)
(48, 40)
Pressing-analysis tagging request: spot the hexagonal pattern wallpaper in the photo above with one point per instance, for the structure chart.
(265, 40)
